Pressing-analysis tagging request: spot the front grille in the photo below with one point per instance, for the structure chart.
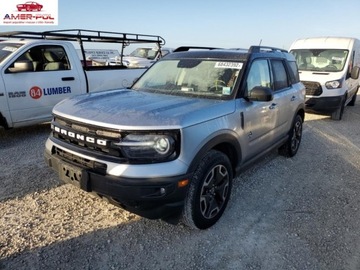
(98, 140)
(103, 143)
(312, 88)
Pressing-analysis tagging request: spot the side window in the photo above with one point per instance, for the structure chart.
(279, 75)
(293, 72)
(41, 58)
(351, 65)
(55, 58)
(259, 75)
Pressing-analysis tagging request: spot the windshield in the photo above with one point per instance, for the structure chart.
(191, 77)
(328, 60)
(147, 53)
(7, 48)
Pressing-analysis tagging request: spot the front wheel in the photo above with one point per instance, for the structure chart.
(209, 191)
(353, 100)
(338, 114)
(290, 148)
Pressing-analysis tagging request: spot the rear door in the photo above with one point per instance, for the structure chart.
(45, 77)
(285, 97)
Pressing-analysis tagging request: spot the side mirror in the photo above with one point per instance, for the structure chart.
(355, 73)
(260, 93)
(21, 66)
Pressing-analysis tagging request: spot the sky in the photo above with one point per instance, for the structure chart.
(226, 23)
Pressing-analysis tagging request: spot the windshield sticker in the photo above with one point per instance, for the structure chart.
(228, 65)
(9, 49)
(226, 91)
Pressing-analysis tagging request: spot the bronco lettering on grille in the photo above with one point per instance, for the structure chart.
(80, 137)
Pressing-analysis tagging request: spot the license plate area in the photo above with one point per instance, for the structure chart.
(70, 174)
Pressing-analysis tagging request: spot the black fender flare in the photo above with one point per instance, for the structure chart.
(226, 143)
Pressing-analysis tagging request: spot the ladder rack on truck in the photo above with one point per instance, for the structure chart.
(82, 35)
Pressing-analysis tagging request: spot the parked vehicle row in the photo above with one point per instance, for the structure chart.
(168, 144)
(144, 57)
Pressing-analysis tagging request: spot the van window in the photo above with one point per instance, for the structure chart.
(327, 60)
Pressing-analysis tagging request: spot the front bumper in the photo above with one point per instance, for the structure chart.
(152, 198)
(323, 104)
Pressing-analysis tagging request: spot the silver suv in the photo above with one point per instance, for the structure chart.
(170, 146)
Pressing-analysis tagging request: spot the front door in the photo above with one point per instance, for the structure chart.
(259, 116)
(45, 77)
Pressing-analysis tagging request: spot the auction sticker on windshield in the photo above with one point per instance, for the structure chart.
(228, 65)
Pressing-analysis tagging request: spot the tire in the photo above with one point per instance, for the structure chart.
(209, 191)
(290, 148)
(353, 100)
(338, 114)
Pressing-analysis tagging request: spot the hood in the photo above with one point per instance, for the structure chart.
(130, 109)
(321, 77)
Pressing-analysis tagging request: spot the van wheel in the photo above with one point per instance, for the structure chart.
(337, 115)
(290, 148)
(209, 191)
(353, 100)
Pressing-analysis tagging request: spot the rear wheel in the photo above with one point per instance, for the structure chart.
(209, 191)
(290, 148)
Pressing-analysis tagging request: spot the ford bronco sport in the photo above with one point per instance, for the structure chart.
(170, 146)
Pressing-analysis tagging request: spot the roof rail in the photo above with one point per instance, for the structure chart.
(258, 49)
(82, 35)
(188, 48)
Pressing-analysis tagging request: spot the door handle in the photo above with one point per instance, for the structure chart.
(292, 98)
(272, 106)
(68, 79)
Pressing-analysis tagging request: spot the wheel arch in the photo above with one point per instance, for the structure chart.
(3, 122)
(301, 112)
(225, 143)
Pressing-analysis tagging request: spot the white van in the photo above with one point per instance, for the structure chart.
(329, 69)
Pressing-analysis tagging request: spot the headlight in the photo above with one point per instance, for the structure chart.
(134, 64)
(149, 147)
(333, 84)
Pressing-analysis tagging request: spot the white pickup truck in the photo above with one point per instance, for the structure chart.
(39, 69)
(144, 57)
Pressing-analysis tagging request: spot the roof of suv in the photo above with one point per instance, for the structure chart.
(230, 54)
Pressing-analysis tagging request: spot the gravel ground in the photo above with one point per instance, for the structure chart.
(299, 213)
